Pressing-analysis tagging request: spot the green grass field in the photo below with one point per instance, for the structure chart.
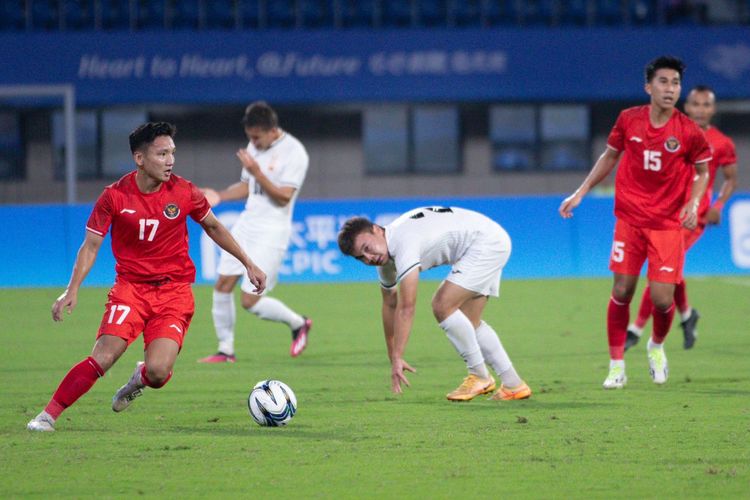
(351, 438)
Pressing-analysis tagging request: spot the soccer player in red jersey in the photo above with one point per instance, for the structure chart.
(701, 107)
(660, 148)
(147, 212)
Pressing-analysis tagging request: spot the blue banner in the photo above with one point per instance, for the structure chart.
(344, 66)
(41, 250)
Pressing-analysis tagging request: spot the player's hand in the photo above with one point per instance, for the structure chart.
(212, 196)
(689, 216)
(257, 278)
(713, 216)
(568, 204)
(398, 367)
(248, 162)
(66, 301)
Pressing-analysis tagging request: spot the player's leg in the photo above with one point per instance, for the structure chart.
(224, 315)
(170, 311)
(460, 331)
(512, 386)
(635, 329)
(79, 380)
(688, 315)
(272, 309)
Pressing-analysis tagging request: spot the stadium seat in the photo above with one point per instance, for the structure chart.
(221, 14)
(574, 13)
(150, 14)
(539, 13)
(249, 14)
(12, 15)
(78, 14)
(397, 13)
(609, 12)
(643, 12)
(316, 13)
(432, 13)
(185, 14)
(115, 14)
(358, 13)
(465, 14)
(281, 14)
(500, 12)
(45, 15)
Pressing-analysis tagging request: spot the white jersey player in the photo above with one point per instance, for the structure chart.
(274, 168)
(477, 248)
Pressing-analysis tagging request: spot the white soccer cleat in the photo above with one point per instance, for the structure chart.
(41, 423)
(616, 379)
(128, 392)
(657, 365)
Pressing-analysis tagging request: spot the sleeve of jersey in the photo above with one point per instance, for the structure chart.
(387, 275)
(201, 208)
(616, 139)
(101, 216)
(295, 171)
(729, 156)
(700, 151)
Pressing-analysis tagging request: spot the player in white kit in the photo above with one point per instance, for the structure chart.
(274, 167)
(477, 248)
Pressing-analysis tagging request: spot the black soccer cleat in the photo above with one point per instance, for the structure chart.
(632, 339)
(689, 330)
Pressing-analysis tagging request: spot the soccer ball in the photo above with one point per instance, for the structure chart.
(272, 403)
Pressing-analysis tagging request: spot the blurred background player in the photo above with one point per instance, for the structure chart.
(659, 146)
(701, 107)
(477, 249)
(274, 168)
(147, 210)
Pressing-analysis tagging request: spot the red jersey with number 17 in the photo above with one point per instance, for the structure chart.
(149, 230)
(655, 166)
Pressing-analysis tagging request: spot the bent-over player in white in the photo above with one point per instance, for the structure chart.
(274, 168)
(477, 248)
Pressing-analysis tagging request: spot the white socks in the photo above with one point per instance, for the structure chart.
(461, 333)
(495, 355)
(274, 310)
(653, 345)
(638, 331)
(685, 315)
(224, 315)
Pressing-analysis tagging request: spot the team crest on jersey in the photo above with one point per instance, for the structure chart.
(672, 144)
(171, 211)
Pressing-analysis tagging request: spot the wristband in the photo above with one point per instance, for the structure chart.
(718, 205)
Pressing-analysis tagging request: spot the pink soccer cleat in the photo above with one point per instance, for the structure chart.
(299, 338)
(219, 357)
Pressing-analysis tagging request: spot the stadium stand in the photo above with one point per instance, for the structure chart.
(115, 15)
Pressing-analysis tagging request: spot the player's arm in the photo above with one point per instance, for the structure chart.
(83, 264)
(689, 213)
(388, 313)
(237, 191)
(601, 169)
(280, 194)
(402, 322)
(221, 235)
(727, 188)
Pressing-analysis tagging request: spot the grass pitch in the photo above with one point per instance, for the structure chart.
(351, 438)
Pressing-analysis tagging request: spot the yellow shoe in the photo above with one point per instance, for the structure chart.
(504, 394)
(471, 387)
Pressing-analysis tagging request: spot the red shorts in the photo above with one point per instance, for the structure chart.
(664, 249)
(159, 311)
(691, 237)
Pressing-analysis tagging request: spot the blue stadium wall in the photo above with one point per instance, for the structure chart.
(580, 64)
(40, 244)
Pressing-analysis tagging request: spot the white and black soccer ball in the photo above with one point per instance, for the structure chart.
(272, 403)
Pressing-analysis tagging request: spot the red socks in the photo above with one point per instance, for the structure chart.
(647, 307)
(680, 296)
(148, 383)
(662, 323)
(76, 383)
(618, 315)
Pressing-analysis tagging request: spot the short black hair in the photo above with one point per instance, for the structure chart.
(349, 232)
(702, 88)
(260, 114)
(146, 134)
(661, 62)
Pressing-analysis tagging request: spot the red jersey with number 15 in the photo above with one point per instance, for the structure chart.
(655, 166)
(149, 230)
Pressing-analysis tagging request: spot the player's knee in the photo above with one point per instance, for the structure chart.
(158, 375)
(441, 310)
(662, 303)
(622, 292)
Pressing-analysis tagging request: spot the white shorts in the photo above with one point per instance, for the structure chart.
(481, 267)
(265, 248)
